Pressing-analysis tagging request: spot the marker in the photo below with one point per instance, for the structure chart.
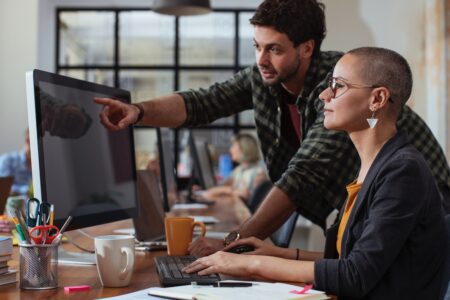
(20, 233)
(76, 288)
(52, 214)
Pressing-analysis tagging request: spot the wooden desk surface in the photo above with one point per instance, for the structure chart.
(230, 212)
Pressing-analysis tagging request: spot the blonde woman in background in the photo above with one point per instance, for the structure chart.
(250, 172)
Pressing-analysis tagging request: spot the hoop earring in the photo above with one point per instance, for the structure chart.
(372, 121)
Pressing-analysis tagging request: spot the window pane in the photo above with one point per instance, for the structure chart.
(86, 38)
(207, 39)
(203, 79)
(145, 85)
(246, 50)
(145, 147)
(247, 118)
(146, 38)
(92, 75)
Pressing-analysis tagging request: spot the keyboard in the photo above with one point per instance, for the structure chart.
(169, 271)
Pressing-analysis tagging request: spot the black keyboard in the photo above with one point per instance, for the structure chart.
(169, 270)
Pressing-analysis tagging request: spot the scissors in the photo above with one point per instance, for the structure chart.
(37, 213)
(43, 234)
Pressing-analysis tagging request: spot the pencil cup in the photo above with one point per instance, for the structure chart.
(38, 266)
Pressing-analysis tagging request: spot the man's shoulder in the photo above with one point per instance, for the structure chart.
(330, 58)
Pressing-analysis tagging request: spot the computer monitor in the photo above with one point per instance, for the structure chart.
(202, 162)
(85, 170)
(168, 177)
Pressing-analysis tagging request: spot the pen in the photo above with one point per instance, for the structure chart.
(232, 284)
(142, 248)
(63, 228)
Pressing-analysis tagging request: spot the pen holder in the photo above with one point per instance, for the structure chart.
(38, 266)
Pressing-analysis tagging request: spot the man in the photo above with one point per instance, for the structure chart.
(309, 165)
(18, 165)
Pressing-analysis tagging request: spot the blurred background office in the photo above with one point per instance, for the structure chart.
(125, 44)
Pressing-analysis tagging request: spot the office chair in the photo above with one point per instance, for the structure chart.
(282, 237)
(258, 195)
(446, 284)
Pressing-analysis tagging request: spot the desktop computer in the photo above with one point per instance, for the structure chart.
(85, 170)
(203, 167)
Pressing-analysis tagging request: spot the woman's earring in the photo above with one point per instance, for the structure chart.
(372, 121)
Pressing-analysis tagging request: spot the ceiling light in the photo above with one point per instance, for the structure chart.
(182, 7)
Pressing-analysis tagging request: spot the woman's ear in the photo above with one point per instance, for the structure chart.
(380, 98)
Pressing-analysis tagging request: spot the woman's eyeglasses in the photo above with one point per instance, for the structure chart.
(339, 87)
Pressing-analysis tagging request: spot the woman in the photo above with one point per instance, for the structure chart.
(388, 241)
(247, 175)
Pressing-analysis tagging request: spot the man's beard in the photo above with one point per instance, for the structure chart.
(291, 74)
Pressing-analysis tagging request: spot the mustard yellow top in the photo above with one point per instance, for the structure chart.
(352, 190)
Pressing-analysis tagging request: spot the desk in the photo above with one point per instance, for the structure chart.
(231, 212)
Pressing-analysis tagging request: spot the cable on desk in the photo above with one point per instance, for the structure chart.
(70, 240)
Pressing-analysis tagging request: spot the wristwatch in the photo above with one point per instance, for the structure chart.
(231, 237)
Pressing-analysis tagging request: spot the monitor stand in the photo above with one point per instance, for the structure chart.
(75, 258)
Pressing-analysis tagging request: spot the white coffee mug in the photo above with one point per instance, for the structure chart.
(115, 259)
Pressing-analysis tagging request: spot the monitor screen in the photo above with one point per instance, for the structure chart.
(203, 168)
(168, 177)
(85, 170)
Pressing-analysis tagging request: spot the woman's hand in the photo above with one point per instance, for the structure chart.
(221, 262)
(261, 247)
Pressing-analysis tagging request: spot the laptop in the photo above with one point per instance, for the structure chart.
(5, 189)
(149, 224)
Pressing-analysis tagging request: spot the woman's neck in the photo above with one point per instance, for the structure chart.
(368, 144)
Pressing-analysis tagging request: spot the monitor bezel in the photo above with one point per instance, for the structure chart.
(162, 168)
(33, 79)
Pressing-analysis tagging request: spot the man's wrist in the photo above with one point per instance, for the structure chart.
(140, 107)
(231, 237)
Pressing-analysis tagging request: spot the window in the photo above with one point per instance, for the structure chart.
(151, 54)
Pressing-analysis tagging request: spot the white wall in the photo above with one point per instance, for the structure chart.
(18, 33)
(399, 25)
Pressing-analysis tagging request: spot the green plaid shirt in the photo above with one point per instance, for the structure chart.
(314, 175)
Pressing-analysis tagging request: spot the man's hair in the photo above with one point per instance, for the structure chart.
(300, 20)
(248, 146)
(387, 68)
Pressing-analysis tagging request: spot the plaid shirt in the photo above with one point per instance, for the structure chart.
(316, 174)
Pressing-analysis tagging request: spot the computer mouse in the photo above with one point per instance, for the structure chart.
(241, 249)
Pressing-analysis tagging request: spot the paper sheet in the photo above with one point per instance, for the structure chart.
(259, 291)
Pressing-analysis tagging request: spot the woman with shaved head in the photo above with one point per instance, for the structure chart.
(387, 241)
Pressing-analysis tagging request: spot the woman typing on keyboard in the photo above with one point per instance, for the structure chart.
(387, 242)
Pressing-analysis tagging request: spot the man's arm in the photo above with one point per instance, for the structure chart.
(272, 213)
(165, 111)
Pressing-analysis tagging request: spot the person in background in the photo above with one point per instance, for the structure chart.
(308, 165)
(388, 241)
(18, 165)
(247, 175)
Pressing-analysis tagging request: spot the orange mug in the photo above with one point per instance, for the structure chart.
(179, 232)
